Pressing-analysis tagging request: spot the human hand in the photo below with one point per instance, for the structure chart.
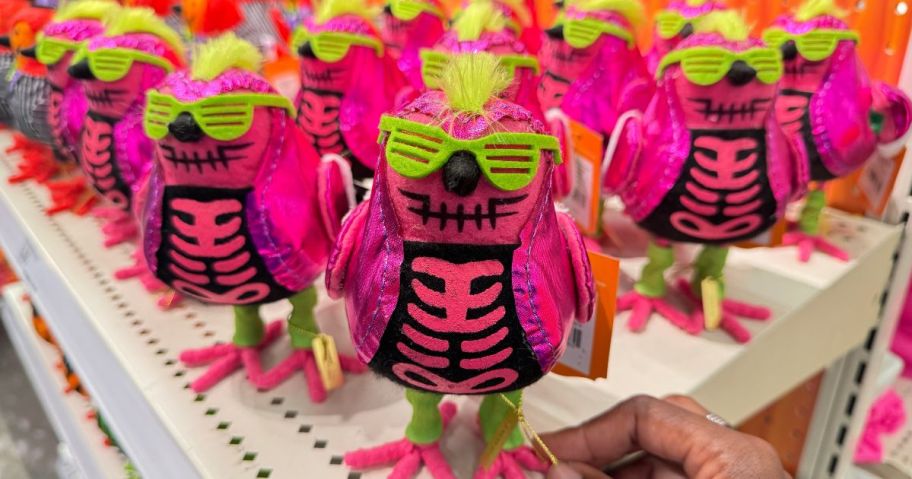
(676, 437)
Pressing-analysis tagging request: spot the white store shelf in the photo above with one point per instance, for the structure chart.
(68, 412)
(126, 351)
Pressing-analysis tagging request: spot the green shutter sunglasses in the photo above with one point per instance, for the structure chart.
(224, 117)
(708, 65)
(49, 50)
(581, 33)
(112, 64)
(816, 45)
(509, 161)
(333, 46)
(408, 10)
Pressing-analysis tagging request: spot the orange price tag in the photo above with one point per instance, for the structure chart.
(584, 200)
(589, 344)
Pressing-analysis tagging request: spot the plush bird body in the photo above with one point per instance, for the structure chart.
(231, 214)
(483, 27)
(116, 69)
(449, 272)
(60, 39)
(408, 26)
(675, 24)
(28, 85)
(7, 55)
(708, 163)
(347, 81)
(823, 74)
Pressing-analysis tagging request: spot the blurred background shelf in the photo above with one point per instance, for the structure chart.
(69, 413)
(125, 349)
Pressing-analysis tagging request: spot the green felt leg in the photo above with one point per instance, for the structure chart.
(491, 414)
(652, 278)
(710, 264)
(809, 222)
(426, 425)
(302, 324)
(248, 326)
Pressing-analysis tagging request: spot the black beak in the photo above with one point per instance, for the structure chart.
(177, 9)
(81, 71)
(461, 173)
(28, 52)
(556, 32)
(789, 51)
(306, 51)
(5, 41)
(559, 4)
(687, 31)
(741, 73)
(185, 129)
(387, 9)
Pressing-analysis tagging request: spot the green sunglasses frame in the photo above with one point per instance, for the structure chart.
(583, 32)
(236, 111)
(333, 46)
(698, 63)
(434, 61)
(815, 45)
(408, 10)
(112, 64)
(669, 23)
(49, 50)
(416, 150)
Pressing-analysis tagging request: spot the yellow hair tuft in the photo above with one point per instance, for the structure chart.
(329, 9)
(815, 8)
(143, 20)
(87, 9)
(696, 3)
(728, 23)
(632, 10)
(471, 80)
(479, 17)
(214, 57)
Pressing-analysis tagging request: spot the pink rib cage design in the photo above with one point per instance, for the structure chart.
(215, 227)
(55, 121)
(456, 301)
(98, 161)
(738, 197)
(318, 116)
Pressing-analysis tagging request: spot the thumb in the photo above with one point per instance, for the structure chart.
(566, 470)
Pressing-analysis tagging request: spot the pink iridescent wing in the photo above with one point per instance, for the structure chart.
(335, 192)
(896, 109)
(352, 232)
(582, 270)
(622, 152)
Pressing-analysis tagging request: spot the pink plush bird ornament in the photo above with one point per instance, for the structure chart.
(458, 275)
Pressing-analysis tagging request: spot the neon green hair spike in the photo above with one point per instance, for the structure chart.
(728, 23)
(87, 9)
(330, 9)
(143, 20)
(470, 81)
(479, 17)
(815, 8)
(226, 51)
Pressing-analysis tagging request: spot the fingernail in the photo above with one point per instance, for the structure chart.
(563, 471)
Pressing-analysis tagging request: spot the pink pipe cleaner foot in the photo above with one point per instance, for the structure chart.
(731, 310)
(642, 307)
(510, 465)
(70, 195)
(304, 360)
(119, 225)
(139, 270)
(807, 244)
(405, 456)
(224, 359)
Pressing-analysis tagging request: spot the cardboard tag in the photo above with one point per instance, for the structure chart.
(327, 357)
(589, 344)
(584, 200)
(712, 303)
(496, 444)
(876, 182)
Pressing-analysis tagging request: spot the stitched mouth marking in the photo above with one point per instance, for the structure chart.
(713, 111)
(478, 216)
(105, 97)
(222, 156)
